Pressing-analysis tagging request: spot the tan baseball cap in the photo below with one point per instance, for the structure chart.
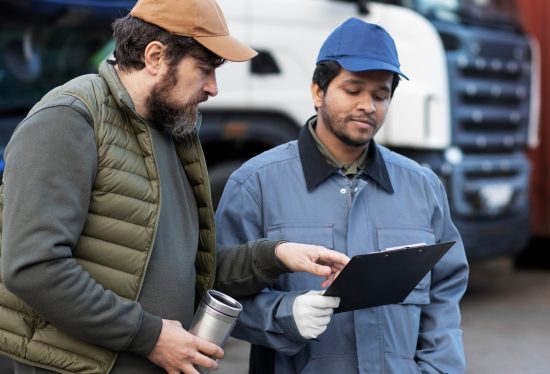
(202, 20)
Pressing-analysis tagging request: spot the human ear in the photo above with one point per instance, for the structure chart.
(317, 94)
(153, 56)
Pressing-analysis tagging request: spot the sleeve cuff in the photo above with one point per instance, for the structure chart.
(266, 261)
(285, 317)
(147, 335)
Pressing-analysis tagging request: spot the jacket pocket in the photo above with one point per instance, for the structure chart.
(420, 295)
(306, 233)
(392, 236)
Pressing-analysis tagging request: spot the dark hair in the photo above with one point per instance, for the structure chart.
(326, 71)
(132, 35)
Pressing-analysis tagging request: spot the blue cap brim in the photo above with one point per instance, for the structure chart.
(357, 64)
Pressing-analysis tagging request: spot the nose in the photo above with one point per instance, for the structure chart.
(211, 85)
(366, 103)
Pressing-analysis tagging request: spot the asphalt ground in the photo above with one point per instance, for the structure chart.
(506, 319)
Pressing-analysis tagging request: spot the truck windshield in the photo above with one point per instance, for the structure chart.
(492, 13)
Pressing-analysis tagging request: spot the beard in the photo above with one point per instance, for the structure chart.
(176, 119)
(338, 128)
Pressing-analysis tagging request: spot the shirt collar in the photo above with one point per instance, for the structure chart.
(316, 168)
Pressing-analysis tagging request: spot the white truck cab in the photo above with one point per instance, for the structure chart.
(468, 111)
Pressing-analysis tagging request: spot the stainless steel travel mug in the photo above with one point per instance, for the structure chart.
(215, 318)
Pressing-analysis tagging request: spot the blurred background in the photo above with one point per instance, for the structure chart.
(473, 111)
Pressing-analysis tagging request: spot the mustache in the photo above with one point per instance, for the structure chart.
(365, 119)
(202, 97)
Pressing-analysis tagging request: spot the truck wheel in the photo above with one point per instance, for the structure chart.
(219, 174)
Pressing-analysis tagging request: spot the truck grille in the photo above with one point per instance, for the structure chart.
(489, 82)
(489, 86)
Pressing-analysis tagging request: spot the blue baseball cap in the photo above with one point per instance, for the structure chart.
(360, 46)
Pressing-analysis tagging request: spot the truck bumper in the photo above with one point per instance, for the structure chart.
(494, 237)
(490, 225)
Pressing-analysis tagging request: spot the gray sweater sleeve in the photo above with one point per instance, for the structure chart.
(51, 164)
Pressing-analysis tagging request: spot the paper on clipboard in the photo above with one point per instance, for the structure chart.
(384, 277)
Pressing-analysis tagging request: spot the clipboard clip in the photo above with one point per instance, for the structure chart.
(406, 246)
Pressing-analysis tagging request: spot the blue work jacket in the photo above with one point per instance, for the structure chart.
(291, 193)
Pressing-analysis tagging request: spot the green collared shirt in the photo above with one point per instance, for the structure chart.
(351, 169)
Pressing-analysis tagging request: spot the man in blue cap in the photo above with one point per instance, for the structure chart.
(336, 187)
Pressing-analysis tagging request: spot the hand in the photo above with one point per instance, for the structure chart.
(312, 312)
(177, 350)
(313, 259)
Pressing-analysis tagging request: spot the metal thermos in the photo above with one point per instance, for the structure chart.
(215, 318)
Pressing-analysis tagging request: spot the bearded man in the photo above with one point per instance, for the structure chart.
(108, 238)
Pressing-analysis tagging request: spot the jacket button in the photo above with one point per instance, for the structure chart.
(342, 190)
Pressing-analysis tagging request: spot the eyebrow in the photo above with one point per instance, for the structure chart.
(383, 87)
(206, 66)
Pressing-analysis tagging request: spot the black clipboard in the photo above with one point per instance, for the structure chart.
(384, 277)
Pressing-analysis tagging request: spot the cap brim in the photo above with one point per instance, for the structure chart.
(357, 64)
(227, 47)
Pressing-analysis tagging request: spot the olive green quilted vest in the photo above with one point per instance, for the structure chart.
(116, 242)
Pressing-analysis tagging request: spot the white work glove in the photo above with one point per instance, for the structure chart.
(312, 312)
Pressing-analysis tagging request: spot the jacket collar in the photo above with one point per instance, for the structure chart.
(120, 94)
(316, 168)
